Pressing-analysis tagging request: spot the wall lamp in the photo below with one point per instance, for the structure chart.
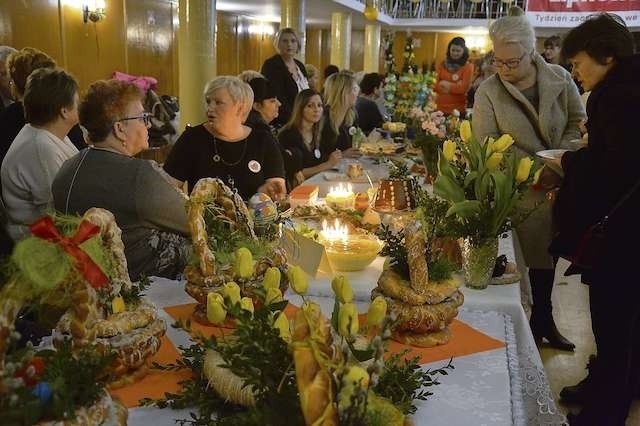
(93, 13)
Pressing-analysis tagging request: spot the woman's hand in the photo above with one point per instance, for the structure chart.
(351, 153)
(548, 178)
(274, 188)
(445, 86)
(334, 158)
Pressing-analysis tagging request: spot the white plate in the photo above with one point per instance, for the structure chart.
(552, 154)
(338, 177)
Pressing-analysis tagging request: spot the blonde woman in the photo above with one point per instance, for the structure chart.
(340, 94)
(222, 147)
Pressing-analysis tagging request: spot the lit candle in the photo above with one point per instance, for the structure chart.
(348, 252)
(335, 232)
(341, 196)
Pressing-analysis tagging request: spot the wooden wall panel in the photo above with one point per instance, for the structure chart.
(357, 50)
(31, 24)
(151, 41)
(227, 53)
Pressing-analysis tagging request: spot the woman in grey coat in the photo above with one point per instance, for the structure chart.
(539, 105)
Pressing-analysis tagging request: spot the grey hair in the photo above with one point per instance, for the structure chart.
(249, 75)
(238, 90)
(513, 29)
(5, 51)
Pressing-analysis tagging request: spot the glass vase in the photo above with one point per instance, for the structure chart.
(478, 261)
(430, 158)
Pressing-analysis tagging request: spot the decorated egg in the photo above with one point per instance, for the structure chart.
(263, 209)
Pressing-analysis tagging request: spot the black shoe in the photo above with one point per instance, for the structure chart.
(551, 333)
(579, 393)
(572, 419)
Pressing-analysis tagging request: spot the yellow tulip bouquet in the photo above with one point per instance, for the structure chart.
(482, 182)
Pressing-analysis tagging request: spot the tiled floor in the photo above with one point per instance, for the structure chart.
(571, 312)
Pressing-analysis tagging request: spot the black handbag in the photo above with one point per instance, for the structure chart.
(592, 242)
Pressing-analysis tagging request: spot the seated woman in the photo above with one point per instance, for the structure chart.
(147, 207)
(340, 94)
(244, 158)
(302, 135)
(20, 65)
(38, 151)
(265, 104)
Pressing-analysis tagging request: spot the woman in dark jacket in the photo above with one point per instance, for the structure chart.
(597, 177)
(287, 75)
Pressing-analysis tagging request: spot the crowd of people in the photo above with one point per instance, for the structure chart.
(268, 131)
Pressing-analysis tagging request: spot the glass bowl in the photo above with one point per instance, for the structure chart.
(352, 254)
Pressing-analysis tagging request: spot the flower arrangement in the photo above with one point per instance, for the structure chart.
(409, 56)
(389, 59)
(313, 370)
(482, 182)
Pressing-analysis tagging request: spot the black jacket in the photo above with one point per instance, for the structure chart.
(276, 71)
(369, 116)
(597, 176)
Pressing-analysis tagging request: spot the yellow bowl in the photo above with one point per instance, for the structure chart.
(353, 254)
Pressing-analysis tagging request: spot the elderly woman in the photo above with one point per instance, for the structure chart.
(340, 95)
(539, 105)
(302, 135)
(454, 78)
(601, 180)
(19, 65)
(245, 158)
(38, 151)
(287, 74)
(147, 207)
(313, 76)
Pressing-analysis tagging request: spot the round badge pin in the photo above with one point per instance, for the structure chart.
(455, 77)
(316, 153)
(254, 166)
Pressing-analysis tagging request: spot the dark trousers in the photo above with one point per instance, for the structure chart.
(615, 318)
(541, 288)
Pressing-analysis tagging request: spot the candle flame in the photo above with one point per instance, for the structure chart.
(335, 232)
(341, 190)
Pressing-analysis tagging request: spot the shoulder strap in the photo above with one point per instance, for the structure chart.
(621, 201)
(73, 180)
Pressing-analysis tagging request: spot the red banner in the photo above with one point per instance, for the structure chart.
(570, 13)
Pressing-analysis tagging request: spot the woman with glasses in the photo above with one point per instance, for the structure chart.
(148, 208)
(454, 78)
(539, 105)
(246, 159)
(597, 178)
(40, 148)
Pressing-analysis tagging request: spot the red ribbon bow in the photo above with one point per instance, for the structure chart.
(46, 229)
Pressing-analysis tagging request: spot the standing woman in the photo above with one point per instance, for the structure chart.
(287, 74)
(454, 78)
(340, 94)
(302, 134)
(539, 106)
(597, 177)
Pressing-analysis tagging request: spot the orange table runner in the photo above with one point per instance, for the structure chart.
(466, 341)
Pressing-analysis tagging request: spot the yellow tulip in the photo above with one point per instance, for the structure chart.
(536, 175)
(524, 168)
(312, 309)
(490, 146)
(298, 279)
(271, 278)
(282, 324)
(348, 324)
(117, 305)
(377, 311)
(274, 295)
(356, 376)
(503, 142)
(342, 289)
(494, 160)
(465, 131)
(232, 292)
(216, 311)
(247, 304)
(243, 263)
(449, 150)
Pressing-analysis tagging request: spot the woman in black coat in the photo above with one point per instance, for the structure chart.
(287, 75)
(597, 177)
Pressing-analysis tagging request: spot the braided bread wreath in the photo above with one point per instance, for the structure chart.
(105, 411)
(209, 275)
(134, 335)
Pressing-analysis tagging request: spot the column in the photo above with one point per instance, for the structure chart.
(340, 39)
(196, 57)
(372, 47)
(292, 16)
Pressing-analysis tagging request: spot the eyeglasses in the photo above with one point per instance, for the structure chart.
(511, 64)
(145, 118)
